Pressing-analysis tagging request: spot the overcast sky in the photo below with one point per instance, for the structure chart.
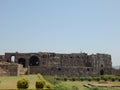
(61, 26)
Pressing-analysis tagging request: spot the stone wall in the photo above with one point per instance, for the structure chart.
(9, 69)
(78, 64)
(116, 72)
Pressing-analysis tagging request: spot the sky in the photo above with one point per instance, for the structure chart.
(61, 26)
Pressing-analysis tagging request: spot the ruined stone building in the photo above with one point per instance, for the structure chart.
(75, 64)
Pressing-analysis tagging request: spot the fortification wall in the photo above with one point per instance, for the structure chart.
(79, 64)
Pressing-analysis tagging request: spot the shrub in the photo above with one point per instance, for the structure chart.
(119, 79)
(73, 78)
(65, 78)
(23, 84)
(113, 79)
(89, 78)
(105, 78)
(116, 77)
(57, 77)
(81, 78)
(97, 78)
(40, 84)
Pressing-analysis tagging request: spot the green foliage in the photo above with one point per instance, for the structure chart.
(52, 80)
(105, 77)
(75, 88)
(23, 84)
(40, 76)
(119, 79)
(94, 88)
(57, 77)
(97, 78)
(73, 78)
(60, 87)
(40, 84)
(48, 86)
(65, 78)
(113, 79)
(89, 78)
(109, 77)
(82, 78)
(116, 77)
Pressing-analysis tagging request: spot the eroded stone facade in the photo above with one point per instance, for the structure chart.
(76, 64)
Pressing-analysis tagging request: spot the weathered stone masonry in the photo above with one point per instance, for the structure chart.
(76, 64)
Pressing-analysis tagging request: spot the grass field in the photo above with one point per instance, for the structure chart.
(10, 82)
(80, 84)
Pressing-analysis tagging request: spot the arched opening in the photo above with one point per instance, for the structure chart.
(34, 61)
(21, 61)
(12, 59)
(102, 72)
(88, 69)
(101, 65)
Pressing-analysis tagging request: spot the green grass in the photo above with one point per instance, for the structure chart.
(78, 84)
(10, 82)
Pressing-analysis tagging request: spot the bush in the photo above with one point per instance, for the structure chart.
(73, 78)
(23, 84)
(113, 79)
(65, 78)
(81, 78)
(116, 77)
(119, 79)
(105, 78)
(57, 77)
(40, 84)
(97, 78)
(89, 78)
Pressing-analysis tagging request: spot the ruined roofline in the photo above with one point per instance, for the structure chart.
(81, 53)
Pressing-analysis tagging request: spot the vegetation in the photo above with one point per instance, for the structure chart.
(60, 87)
(23, 84)
(113, 79)
(81, 78)
(94, 88)
(73, 78)
(89, 78)
(65, 78)
(97, 78)
(119, 79)
(57, 77)
(75, 88)
(50, 83)
(40, 84)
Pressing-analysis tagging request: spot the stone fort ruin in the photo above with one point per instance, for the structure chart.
(74, 64)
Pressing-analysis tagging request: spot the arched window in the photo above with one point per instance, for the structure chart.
(102, 72)
(12, 59)
(34, 61)
(21, 61)
(101, 65)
